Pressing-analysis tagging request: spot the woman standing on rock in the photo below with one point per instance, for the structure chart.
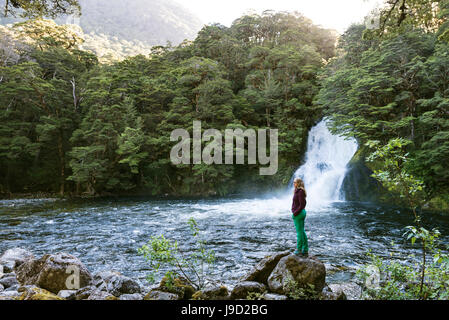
(299, 216)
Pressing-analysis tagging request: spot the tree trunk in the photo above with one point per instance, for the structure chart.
(62, 164)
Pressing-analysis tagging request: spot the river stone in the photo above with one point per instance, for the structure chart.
(351, 290)
(9, 281)
(9, 295)
(12, 258)
(101, 295)
(263, 269)
(160, 295)
(274, 296)
(53, 272)
(304, 271)
(14, 287)
(67, 294)
(243, 289)
(35, 293)
(329, 294)
(2, 288)
(84, 293)
(134, 296)
(118, 285)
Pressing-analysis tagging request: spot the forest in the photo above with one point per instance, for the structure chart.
(74, 126)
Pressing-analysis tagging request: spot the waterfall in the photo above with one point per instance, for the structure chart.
(325, 165)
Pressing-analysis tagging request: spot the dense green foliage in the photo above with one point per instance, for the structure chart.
(395, 87)
(71, 125)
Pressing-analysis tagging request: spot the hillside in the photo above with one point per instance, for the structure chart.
(114, 29)
(153, 22)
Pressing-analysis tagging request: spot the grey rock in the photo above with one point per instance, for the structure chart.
(84, 293)
(263, 269)
(160, 295)
(101, 295)
(9, 281)
(243, 289)
(2, 288)
(67, 294)
(134, 296)
(274, 296)
(14, 287)
(351, 290)
(52, 272)
(118, 285)
(13, 258)
(303, 271)
(104, 277)
(9, 295)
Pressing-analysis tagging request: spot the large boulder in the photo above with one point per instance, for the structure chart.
(13, 258)
(263, 269)
(54, 272)
(303, 271)
(243, 289)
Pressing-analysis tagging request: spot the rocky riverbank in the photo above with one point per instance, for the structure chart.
(61, 276)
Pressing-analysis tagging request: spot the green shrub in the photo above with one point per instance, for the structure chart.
(194, 268)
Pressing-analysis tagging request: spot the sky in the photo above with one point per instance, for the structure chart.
(334, 14)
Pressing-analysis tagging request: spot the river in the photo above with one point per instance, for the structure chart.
(106, 233)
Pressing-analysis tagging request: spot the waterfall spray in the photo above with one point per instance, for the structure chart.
(325, 166)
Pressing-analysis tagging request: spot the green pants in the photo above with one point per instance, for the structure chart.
(301, 237)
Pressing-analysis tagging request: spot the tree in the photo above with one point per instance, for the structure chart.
(394, 175)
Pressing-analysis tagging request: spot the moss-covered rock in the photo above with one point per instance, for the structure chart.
(439, 203)
(212, 293)
(180, 287)
(35, 293)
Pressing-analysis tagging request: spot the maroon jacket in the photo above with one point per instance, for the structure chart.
(299, 202)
